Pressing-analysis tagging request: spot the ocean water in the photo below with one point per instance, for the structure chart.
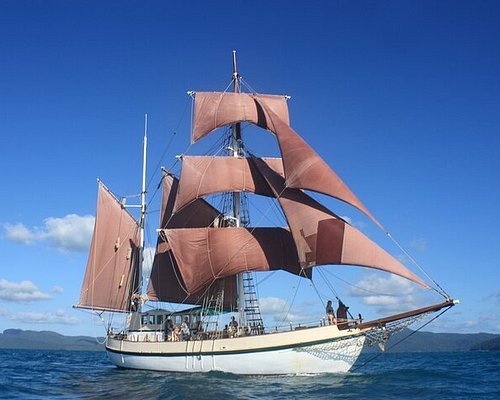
(36, 374)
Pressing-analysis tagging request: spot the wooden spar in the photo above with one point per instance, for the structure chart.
(396, 317)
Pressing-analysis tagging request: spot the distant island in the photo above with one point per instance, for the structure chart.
(408, 341)
(488, 345)
(47, 340)
(416, 342)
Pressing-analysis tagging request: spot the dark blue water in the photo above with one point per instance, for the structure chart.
(34, 374)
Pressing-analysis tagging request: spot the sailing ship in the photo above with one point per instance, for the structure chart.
(206, 256)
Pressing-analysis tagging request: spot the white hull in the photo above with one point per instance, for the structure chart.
(308, 351)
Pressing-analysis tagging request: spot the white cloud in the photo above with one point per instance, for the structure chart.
(280, 310)
(380, 300)
(59, 318)
(390, 286)
(391, 294)
(70, 233)
(272, 305)
(73, 232)
(57, 289)
(18, 233)
(24, 291)
(453, 322)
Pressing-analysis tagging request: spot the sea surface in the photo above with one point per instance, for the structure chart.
(37, 374)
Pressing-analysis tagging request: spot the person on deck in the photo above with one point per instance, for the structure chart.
(185, 333)
(169, 330)
(342, 315)
(176, 336)
(330, 314)
(233, 327)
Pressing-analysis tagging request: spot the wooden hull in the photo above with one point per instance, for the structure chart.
(308, 351)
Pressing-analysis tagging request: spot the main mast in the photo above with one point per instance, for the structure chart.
(236, 151)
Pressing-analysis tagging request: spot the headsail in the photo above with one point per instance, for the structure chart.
(305, 169)
(111, 276)
(322, 237)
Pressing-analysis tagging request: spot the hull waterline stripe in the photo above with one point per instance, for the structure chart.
(231, 352)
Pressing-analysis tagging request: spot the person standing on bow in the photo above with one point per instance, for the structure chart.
(330, 314)
(342, 315)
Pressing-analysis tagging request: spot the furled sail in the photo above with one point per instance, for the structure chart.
(166, 283)
(321, 237)
(204, 254)
(202, 175)
(213, 110)
(111, 276)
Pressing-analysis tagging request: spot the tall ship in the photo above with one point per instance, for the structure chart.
(208, 253)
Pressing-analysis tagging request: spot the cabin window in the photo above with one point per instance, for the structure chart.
(159, 319)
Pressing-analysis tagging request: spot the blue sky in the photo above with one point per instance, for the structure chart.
(401, 98)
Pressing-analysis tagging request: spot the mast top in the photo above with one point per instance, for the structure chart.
(236, 76)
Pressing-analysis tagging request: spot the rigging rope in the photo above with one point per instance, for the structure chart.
(330, 286)
(326, 271)
(441, 291)
(245, 83)
(174, 132)
(285, 314)
(438, 289)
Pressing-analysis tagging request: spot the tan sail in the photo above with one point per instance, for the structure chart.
(215, 109)
(202, 175)
(198, 214)
(305, 169)
(166, 283)
(112, 274)
(205, 254)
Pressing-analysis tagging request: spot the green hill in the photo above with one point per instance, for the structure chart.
(417, 342)
(19, 339)
(433, 342)
(490, 345)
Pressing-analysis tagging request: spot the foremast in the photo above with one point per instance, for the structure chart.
(137, 296)
(143, 210)
(113, 275)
